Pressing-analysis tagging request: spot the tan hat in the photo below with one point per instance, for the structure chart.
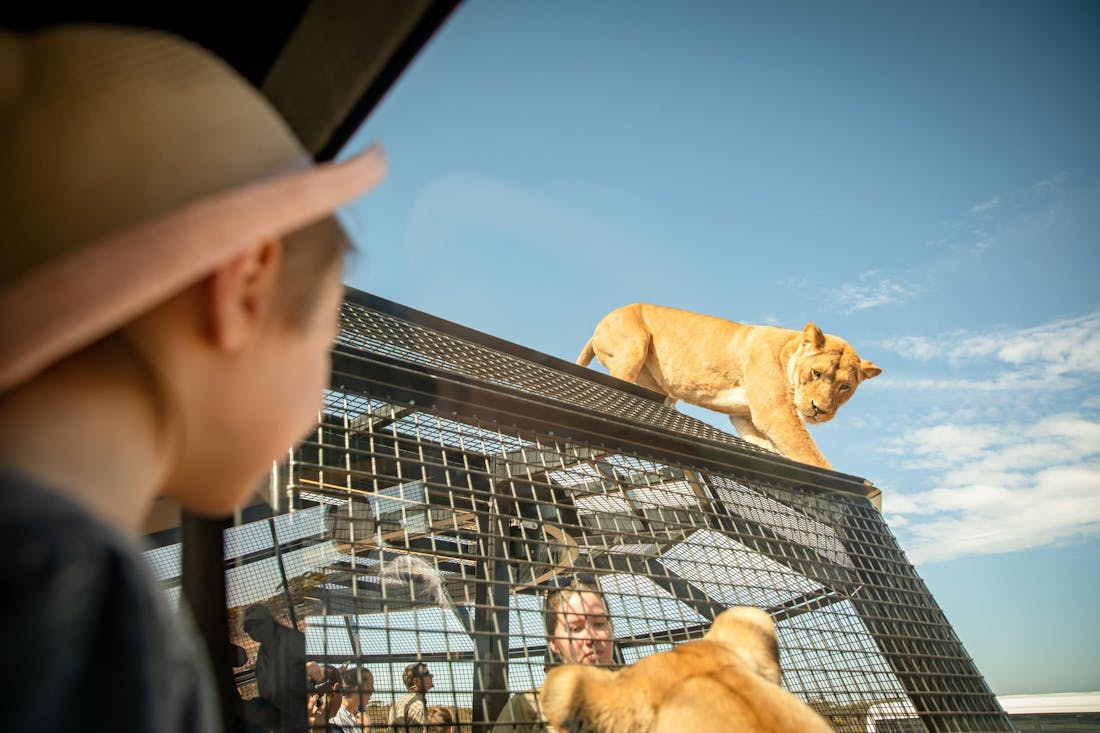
(132, 164)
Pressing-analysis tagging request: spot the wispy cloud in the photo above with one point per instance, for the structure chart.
(980, 243)
(1033, 379)
(1050, 185)
(1058, 348)
(870, 291)
(998, 487)
(986, 206)
(994, 484)
(794, 283)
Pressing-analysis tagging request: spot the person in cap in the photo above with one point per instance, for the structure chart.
(170, 271)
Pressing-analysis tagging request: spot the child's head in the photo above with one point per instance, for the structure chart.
(164, 229)
(440, 719)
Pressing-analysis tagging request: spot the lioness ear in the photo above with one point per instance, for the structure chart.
(751, 633)
(812, 336)
(868, 369)
(562, 698)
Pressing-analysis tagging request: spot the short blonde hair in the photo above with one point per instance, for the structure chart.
(439, 715)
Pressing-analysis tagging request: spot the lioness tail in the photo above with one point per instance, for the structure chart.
(586, 354)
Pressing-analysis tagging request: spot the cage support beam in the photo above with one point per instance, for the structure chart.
(491, 619)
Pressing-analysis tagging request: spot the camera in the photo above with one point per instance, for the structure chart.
(322, 687)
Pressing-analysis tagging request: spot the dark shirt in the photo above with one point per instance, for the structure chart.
(90, 642)
(281, 676)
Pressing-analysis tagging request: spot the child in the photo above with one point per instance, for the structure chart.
(169, 290)
(440, 720)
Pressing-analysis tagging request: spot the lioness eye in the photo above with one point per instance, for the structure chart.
(817, 374)
(844, 386)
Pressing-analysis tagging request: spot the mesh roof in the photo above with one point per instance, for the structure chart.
(446, 493)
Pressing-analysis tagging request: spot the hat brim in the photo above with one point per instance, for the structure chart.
(74, 301)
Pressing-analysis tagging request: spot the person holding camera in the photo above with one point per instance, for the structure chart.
(351, 715)
(324, 699)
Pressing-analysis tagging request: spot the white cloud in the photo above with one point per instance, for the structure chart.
(1055, 355)
(998, 487)
(1071, 344)
(985, 206)
(994, 483)
(1034, 379)
(869, 292)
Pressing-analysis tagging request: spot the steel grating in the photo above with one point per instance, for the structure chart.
(454, 479)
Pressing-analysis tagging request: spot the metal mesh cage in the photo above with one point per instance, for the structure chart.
(455, 480)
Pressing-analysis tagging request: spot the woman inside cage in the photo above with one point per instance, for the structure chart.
(578, 631)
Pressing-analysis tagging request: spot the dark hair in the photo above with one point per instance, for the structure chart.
(413, 672)
(308, 254)
(353, 677)
(556, 599)
(554, 604)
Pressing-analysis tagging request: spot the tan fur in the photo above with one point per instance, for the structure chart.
(770, 381)
(729, 681)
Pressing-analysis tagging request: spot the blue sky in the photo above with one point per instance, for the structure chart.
(921, 179)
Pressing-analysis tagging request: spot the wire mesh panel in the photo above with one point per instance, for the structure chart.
(456, 484)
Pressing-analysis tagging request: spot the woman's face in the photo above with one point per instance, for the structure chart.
(583, 634)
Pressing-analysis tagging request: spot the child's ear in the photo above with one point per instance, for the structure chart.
(241, 293)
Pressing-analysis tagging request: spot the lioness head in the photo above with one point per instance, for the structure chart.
(825, 371)
(728, 681)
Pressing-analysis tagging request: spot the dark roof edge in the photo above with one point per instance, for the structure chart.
(511, 348)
